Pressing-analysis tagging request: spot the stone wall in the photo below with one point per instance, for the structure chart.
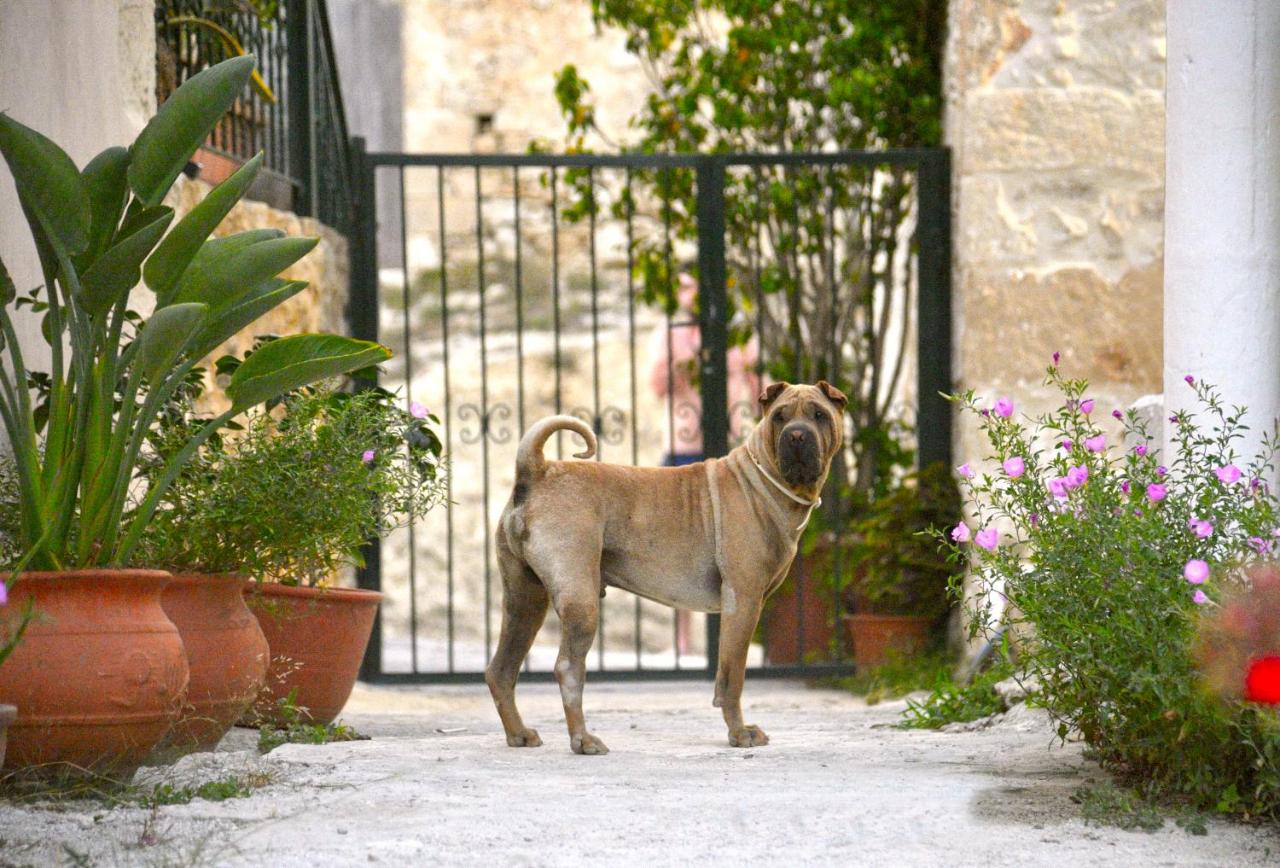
(1055, 113)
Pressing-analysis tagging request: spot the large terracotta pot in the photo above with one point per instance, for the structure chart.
(100, 676)
(226, 651)
(876, 638)
(799, 617)
(317, 639)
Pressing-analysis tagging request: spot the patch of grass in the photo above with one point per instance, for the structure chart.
(1105, 804)
(898, 677)
(55, 791)
(298, 729)
(230, 787)
(957, 703)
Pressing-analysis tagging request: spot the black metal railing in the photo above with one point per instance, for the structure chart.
(292, 108)
(524, 285)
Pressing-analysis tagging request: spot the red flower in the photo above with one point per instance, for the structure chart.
(1262, 680)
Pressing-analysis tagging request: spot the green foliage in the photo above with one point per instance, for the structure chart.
(97, 233)
(951, 702)
(291, 497)
(899, 676)
(900, 568)
(299, 730)
(815, 253)
(1096, 572)
(230, 787)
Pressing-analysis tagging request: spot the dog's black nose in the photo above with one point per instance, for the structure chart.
(799, 435)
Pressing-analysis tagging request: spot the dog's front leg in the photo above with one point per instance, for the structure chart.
(736, 629)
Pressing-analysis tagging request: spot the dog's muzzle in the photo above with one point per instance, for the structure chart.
(799, 454)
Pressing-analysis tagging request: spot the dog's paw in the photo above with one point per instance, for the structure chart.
(748, 736)
(588, 745)
(526, 738)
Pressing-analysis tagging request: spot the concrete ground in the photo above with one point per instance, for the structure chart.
(437, 785)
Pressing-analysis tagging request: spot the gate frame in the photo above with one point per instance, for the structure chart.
(933, 318)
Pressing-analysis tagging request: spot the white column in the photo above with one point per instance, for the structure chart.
(1222, 204)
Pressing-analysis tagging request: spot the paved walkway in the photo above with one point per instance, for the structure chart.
(438, 786)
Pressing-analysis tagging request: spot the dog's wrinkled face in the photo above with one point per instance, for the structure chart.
(803, 427)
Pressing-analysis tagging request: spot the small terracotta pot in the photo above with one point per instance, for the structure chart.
(317, 638)
(226, 652)
(100, 676)
(876, 638)
(8, 713)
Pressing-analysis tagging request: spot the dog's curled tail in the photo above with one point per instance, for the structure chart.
(529, 460)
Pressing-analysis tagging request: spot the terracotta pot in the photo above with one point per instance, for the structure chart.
(876, 638)
(798, 617)
(7, 715)
(317, 640)
(100, 676)
(226, 652)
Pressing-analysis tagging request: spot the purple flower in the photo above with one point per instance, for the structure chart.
(1203, 528)
(1014, 466)
(4, 593)
(417, 411)
(1227, 474)
(1161, 470)
(368, 456)
(1255, 484)
(960, 533)
(1199, 597)
(1117, 414)
(1003, 408)
(1196, 571)
(1066, 444)
(1034, 518)
(1191, 381)
(1140, 450)
(1056, 357)
(965, 470)
(988, 538)
(1096, 444)
(1058, 487)
(1259, 545)
(1086, 406)
(1077, 476)
(1173, 418)
(1156, 492)
(1124, 486)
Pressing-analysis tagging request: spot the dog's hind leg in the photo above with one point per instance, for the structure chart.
(578, 606)
(524, 605)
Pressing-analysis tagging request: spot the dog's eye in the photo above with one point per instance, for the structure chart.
(819, 416)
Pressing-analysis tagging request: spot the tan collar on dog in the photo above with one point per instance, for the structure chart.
(811, 504)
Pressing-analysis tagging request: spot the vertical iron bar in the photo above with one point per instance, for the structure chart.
(362, 319)
(933, 314)
(713, 313)
(484, 421)
(595, 371)
(631, 343)
(671, 400)
(298, 29)
(834, 284)
(515, 177)
(555, 297)
(408, 397)
(448, 407)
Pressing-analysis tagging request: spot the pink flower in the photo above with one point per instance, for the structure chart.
(1156, 492)
(1056, 357)
(1077, 476)
(417, 411)
(1191, 381)
(987, 538)
(1117, 414)
(1058, 487)
(1199, 597)
(1124, 486)
(1196, 571)
(1227, 474)
(960, 533)
(1035, 519)
(1203, 529)
(1003, 408)
(1259, 545)
(1096, 444)
(1161, 470)
(1066, 444)
(368, 456)
(4, 593)
(1140, 450)
(1014, 466)
(1086, 406)
(965, 470)
(1275, 531)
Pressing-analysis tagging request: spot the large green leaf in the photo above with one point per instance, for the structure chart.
(181, 245)
(164, 146)
(119, 269)
(49, 185)
(210, 257)
(296, 361)
(165, 336)
(106, 183)
(259, 300)
(230, 275)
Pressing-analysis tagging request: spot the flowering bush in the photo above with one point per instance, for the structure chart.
(1109, 554)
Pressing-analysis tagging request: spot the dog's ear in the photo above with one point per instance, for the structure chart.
(771, 393)
(834, 395)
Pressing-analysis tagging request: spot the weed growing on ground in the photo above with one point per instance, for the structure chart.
(1106, 804)
(230, 787)
(958, 703)
(298, 729)
(898, 677)
(55, 791)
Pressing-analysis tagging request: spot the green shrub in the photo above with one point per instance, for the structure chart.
(1096, 548)
(957, 703)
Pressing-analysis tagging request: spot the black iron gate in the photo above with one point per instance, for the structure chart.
(517, 286)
